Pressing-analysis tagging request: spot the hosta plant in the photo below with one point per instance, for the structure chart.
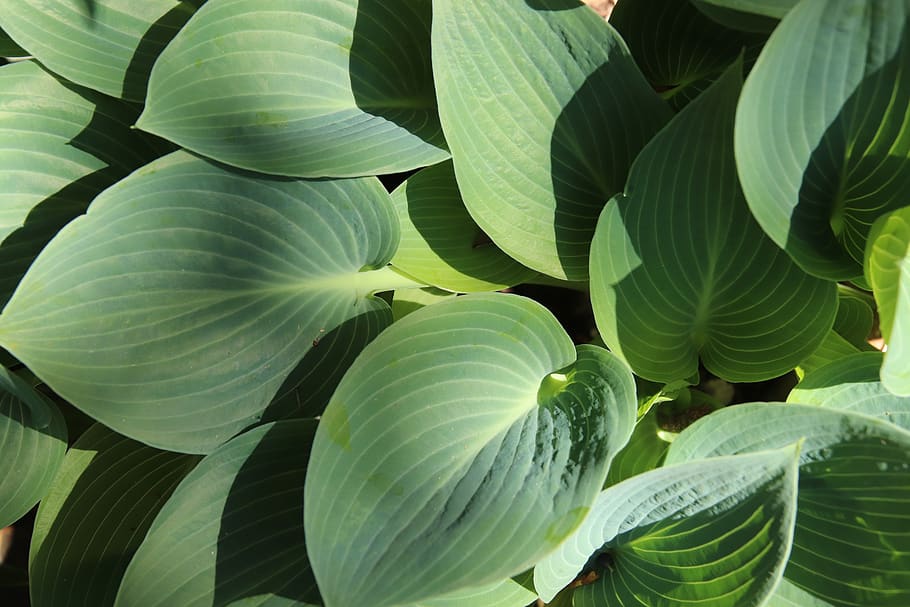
(455, 303)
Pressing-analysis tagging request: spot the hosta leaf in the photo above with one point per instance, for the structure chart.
(441, 244)
(32, 444)
(775, 9)
(852, 383)
(679, 49)
(59, 147)
(8, 48)
(888, 272)
(103, 500)
(239, 517)
(665, 297)
(316, 88)
(822, 137)
(854, 318)
(406, 301)
(789, 594)
(106, 45)
(544, 111)
(451, 418)
(174, 311)
(645, 451)
(715, 532)
(851, 545)
(833, 348)
(500, 594)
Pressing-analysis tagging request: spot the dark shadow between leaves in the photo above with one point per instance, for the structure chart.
(838, 201)
(553, 5)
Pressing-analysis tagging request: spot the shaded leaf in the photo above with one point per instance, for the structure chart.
(499, 594)
(406, 301)
(645, 451)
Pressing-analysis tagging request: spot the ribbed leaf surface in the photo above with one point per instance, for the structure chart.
(500, 594)
(822, 129)
(175, 310)
(544, 111)
(315, 88)
(680, 272)
(446, 422)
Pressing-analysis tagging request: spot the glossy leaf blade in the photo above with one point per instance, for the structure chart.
(318, 88)
(851, 545)
(441, 244)
(500, 594)
(888, 272)
(239, 517)
(60, 146)
(822, 137)
(667, 298)
(544, 111)
(104, 499)
(447, 420)
(106, 45)
(714, 532)
(175, 310)
(32, 444)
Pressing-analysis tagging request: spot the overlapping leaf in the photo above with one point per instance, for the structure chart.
(239, 519)
(467, 441)
(32, 444)
(680, 271)
(406, 301)
(175, 310)
(59, 147)
(106, 45)
(851, 545)
(544, 111)
(714, 532)
(500, 594)
(888, 272)
(441, 244)
(104, 498)
(8, 48)
(822, 137)
(316, 88)
(746, 15)
(645, 451)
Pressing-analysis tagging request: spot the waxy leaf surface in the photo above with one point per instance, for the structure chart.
(448, 421)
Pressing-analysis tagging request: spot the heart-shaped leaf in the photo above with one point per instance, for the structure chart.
(851, 545)
(239, 517)
(32, 443)
(451, 419)
(60, 146)
(104, 498)
(544, 111)
(106, 45)
(714, 532)
(175, 310)
(822, 137)
(441, 244)
(888, 272)
(712, 286)
(315, 88)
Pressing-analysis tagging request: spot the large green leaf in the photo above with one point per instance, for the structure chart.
(714, 532)
(822, 137)
(852, 383)
(8, 48)
(888, 272)
(32, 444)
(174, 311)
(106, 45)
(673, 283)
(59, 147)
(645, 451)
(315, 88)
(544, 111)
(855, 317)
(239, 517)
(833, 348)
(851, 545)
(441, 244)
(776, 9)
(500, 594)
(467, 441)
(104, 498)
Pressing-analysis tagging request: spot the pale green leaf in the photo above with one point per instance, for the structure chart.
(822, 137)
(713, 532)
(833, 348)
(316, 88)
(453, 418)
(176, 309)
(406, 301)
(32, 445)
(441, 244)
(544, 110)
(674, 283)
(851, 546)
(239, 519)
(104, 498)
(106, 45)
(499, 594)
